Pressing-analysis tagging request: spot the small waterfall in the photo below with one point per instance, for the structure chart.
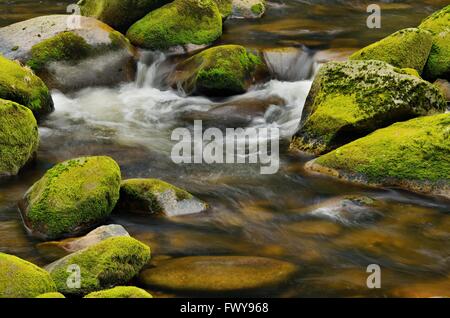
(152, 69)
(290, 64)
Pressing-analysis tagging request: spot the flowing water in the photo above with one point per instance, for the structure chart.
(291, 215)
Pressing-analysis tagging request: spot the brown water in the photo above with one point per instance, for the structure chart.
(289, 215)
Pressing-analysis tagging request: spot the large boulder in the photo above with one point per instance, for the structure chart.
(53, 295)
(69, 58)
(351, 99)
(112, 262)
(119, 14)
(153, 196)
(248, 9)
(438, 65)
(72, 197)
(180, 23)
(120, 292)
(225, 7)
(21, 279)
(413, 155)
(21, 85)
(408, 48)
(219, 71)
(19, 137)
(218, 274)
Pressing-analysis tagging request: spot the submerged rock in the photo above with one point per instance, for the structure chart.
(72, 197)
(352, 99)
(412, 155)
(120, 292)
(438, 65)
(112, 262)
(21, 279)
(70, 58)
(56, 250)
(408, 48)
(219, 71)
(51, 295)
(248, 9)
(181, 22)
(19, 137)
(153, 196)
(119, 14)
(218, 274)
(20, 85)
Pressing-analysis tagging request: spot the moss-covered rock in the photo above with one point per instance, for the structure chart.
(181, 22)
(438, 65)
(53, 295)
(114, 261)
(248, 9)
(21, 85)
(19, 137)
(153, 196)
(408, 48)
(120, 292)
(225, 7)
(70, 58)
(351, 99)
(413, 155)
(21, 279)
(72, 197)
(218, 274)
(218, 71)
(119, 14)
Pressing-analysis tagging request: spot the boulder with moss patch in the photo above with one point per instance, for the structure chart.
(408, 48)
(119, 14)
(19, 84)
(120, 292)
(153, 196)
(225, 7)
(438, 65)
(413, 155)
(22, 279)
(54, 295)
(180, 23)
(19, 137)
(112, 262)
(248, 9)
(70, 58)
(219, 71)
(72, 197)
(351, 99)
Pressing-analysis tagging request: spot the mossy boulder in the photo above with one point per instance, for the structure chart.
(153, 196)
(219, 71)
(119, 14)
(179, 23)
(438, 65)
(19, 137)
(413, 155)
(351, 99)
(53, 295)
(248, 9)
(72, 197)
(21, 85)
(112, 262)
(120, 292)
(408, 48)
(57, 249)
(218, 274)
(225, 7)
(70, 58)
(22, 279)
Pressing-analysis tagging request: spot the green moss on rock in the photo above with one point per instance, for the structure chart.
(119, 14)
(54, 295)
(225, 7)
(21, 279)
(408, 48)
(218, 71)
(19, 137)
(21, 85)
(72, 197)
(412, 154)
(438, 65)
(114, 261)
(181, 22)
(351, 99)
(121, 292)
